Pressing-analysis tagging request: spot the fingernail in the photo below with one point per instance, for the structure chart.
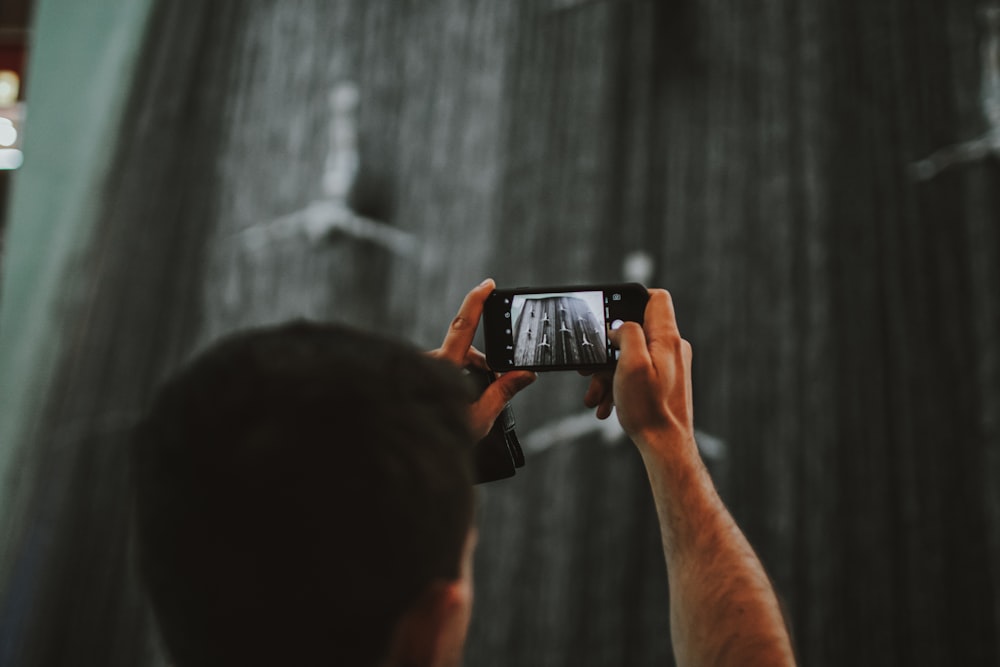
(486, 282)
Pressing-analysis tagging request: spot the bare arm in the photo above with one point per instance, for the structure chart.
(723, 610)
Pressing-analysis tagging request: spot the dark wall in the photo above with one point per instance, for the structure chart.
(15, 14)
(843, 315)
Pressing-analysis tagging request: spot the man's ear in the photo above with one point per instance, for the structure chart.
(432, 632)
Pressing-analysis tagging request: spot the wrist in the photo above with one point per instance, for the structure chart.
(674, 465)
(669, 441)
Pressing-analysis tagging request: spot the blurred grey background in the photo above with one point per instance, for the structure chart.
(196, 167)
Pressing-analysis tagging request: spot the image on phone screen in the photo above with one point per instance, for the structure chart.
(559, 329)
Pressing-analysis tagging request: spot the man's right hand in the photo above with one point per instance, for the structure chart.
(651, 386)
(724, 610)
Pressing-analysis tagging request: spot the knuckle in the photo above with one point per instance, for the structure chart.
(660, 294)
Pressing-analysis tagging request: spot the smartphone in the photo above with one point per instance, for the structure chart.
(558, 328)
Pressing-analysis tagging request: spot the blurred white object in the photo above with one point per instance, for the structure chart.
(638, 267)
(8, 133)
(573, 427)
(333, 214)
(10, 87)
(989, 97)
(342, 162)
(11, 119)
(570, 428)
(11, 158)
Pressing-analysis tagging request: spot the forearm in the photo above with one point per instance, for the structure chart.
(723, 610)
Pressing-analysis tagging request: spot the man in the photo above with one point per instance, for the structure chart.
(304, 496)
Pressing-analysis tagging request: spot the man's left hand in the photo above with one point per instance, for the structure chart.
(457, 348)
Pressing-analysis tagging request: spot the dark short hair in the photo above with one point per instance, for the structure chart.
(297, 488)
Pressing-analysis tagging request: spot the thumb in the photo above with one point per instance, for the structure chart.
(497, 395)
(631, 340)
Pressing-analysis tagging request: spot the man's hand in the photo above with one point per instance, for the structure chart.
(651, 385)
(723, 608)
(457, 348)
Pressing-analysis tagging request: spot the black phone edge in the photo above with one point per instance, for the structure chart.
(633, 286)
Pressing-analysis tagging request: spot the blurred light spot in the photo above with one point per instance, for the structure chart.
(8, 134)
(711, 447)
(345, 96)
(638, 267)
(584, 424)
(11, 158)
(10, 86)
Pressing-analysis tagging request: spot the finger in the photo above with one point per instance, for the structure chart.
(490, 404)
(605, 406)
(595, 392)
(615, 338)
(631, 340)
(600, 386)
(660, 322)
(476, 359)
(463, 328)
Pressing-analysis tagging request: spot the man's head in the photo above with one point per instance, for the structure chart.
(304, 495)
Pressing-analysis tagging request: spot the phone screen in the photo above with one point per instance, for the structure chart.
(558, 328)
